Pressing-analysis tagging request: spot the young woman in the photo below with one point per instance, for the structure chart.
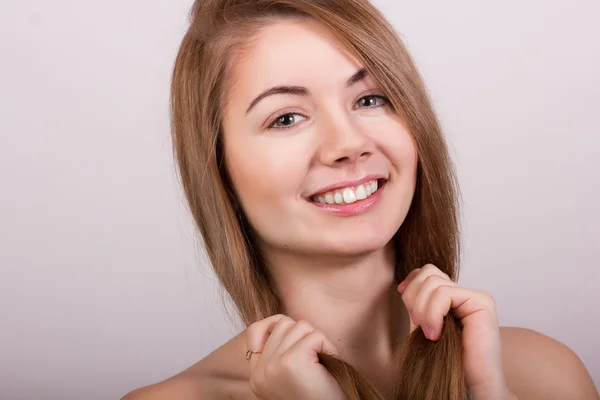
(316, 171)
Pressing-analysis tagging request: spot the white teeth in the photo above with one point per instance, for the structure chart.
(339, 199)
(360, 192)
(349, 196)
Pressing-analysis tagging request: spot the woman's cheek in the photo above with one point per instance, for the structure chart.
(398, 145)
(267, 174)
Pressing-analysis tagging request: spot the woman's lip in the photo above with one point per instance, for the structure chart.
(355, 208)
(344, 184)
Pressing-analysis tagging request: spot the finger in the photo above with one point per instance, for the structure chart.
(411, 275)
(258, 333)
(422, 300)
(278, 333)
(440, 304)
(294, 335)
(414, 286)
(464, 303)
(311, 345)
(428, 269)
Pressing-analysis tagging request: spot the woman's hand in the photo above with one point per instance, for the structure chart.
(429, 294)
(288, 366)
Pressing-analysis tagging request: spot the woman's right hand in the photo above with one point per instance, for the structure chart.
(288, 367)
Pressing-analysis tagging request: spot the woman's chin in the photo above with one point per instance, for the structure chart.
(351, 245)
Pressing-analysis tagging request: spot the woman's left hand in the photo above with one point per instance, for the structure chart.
(429, 294)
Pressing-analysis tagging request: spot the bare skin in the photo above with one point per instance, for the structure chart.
(337, 273)
(535, 367)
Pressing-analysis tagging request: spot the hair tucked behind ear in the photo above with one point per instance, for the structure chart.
(219, 31)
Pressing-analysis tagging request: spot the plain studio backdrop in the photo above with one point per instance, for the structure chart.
(102, 286)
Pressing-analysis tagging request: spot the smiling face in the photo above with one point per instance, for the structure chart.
(319, 161)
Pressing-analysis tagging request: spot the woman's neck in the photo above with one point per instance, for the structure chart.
(354, 302)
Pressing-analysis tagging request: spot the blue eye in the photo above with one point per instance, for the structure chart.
(370, 101)
(289, 120)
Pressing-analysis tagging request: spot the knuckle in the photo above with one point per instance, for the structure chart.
(257, 327)
(318, 334)
(285, 320)
(304, 325)
(432, 279)
(282, 318)
(430, 268)
(253, 329)
(440, 292)
(488, 300)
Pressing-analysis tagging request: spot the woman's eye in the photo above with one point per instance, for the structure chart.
(285, 121)
(371, 101)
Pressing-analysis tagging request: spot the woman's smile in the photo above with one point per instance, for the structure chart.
(350, 198)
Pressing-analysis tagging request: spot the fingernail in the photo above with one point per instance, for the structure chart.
(428, 331)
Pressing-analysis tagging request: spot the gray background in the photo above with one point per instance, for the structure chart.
(102, 288)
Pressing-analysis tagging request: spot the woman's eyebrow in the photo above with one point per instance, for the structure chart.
(302, 91)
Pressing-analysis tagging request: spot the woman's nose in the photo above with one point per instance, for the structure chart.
(343, 141)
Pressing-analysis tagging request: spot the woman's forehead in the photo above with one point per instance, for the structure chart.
(294, 52)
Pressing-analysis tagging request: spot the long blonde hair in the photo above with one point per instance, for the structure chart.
(429, 234)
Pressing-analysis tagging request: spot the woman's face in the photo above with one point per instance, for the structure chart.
(319, 162)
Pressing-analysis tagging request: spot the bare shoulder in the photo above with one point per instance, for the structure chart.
(181, 386)
(220, 375)
(539, 367)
